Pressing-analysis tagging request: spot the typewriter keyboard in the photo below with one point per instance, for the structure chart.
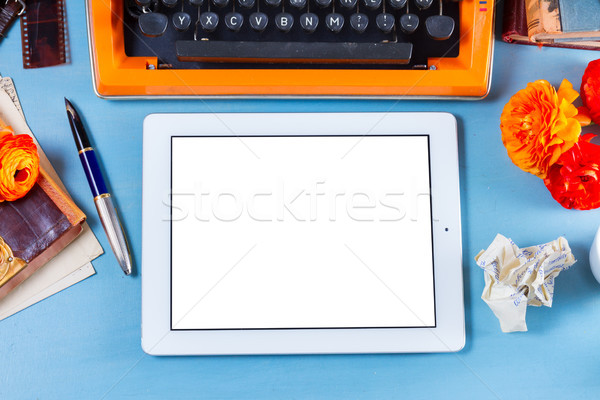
(387, 34)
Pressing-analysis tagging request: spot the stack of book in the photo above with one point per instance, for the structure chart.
(555, 23)
(45, 243)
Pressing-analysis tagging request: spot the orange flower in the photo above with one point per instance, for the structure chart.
(19, 164)
(539, 124)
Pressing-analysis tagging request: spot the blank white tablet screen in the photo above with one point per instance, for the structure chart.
(301, 232)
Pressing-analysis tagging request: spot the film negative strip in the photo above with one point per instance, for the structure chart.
(43, 33)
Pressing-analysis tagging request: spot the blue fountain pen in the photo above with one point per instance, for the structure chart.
(104, 204)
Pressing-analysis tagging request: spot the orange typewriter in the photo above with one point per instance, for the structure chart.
(301, 48)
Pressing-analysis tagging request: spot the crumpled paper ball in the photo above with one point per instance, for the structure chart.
(516, 278)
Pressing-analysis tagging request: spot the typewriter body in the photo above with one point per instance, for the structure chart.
(298, 48)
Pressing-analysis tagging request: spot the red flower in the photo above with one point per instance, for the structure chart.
(590, 90)
(574, 181)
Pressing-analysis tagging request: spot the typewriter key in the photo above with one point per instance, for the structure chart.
(298, 3)
(409, 23)
(181, 21)
(153, 24)
(348, 3)
(439, 27)
(385, 22)
(397, 3)
(284, 21)
(359, 22)
(209, 21)
(234, 21)
(247, 3)
(309, 22)
(423, 4)
(323, 3)
(259, 21)
(334, 22)
(220, 3)
(372, 4)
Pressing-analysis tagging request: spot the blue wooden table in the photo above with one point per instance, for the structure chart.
(85, 341)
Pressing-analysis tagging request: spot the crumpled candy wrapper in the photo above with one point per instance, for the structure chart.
(515, 278)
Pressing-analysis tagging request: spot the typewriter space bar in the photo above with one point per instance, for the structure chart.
(293, 52)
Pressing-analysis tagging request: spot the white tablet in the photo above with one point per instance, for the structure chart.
(301, 233)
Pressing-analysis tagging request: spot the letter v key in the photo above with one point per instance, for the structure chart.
(258, 21)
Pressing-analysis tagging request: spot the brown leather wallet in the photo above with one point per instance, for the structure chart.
(8, 14)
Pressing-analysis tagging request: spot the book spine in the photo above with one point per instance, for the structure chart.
(60, 198)
(514, 29)
(543, 17)
(513, 21)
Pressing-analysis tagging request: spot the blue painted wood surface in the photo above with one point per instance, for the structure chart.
(84, 343)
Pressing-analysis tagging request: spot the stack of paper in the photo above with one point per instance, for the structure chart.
(71, 265)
